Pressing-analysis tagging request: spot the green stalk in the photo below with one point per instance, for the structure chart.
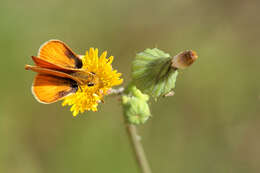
(138, 148)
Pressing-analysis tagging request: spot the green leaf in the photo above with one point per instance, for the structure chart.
(152, 72)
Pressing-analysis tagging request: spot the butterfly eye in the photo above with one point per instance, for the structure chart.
(90, 84)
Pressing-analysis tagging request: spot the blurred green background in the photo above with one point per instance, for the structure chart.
(211, 125)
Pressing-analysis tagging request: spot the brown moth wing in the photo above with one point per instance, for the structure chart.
(57, 52)
(49, 89)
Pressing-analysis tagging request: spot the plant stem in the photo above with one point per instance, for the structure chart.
(117, 91)
(138, 148)
(135, 140)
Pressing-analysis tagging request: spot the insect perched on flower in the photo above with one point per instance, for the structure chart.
(80, 81)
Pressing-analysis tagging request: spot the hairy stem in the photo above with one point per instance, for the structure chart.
(117, 91)
(135, 139)
(138, 148)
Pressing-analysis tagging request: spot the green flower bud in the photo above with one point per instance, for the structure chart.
(135, 106)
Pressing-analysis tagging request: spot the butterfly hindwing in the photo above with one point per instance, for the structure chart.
(57, 52)
(49, 89)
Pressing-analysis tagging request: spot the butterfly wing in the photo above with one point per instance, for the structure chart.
(49, 89)
(42, 70)
(58, 53)
(45, 64)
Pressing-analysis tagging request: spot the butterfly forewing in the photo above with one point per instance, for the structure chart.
(45, 64)
(52, 72)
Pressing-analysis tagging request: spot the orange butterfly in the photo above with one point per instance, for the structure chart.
(59, 72)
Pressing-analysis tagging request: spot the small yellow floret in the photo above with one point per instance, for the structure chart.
(87, 98)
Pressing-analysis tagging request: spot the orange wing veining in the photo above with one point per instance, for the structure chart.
(49, 89)
(45, 64)
(57, 52)
(52, 72)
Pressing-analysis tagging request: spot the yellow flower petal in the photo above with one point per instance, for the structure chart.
(87, 98)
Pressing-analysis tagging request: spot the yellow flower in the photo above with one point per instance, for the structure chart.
(88, 97)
